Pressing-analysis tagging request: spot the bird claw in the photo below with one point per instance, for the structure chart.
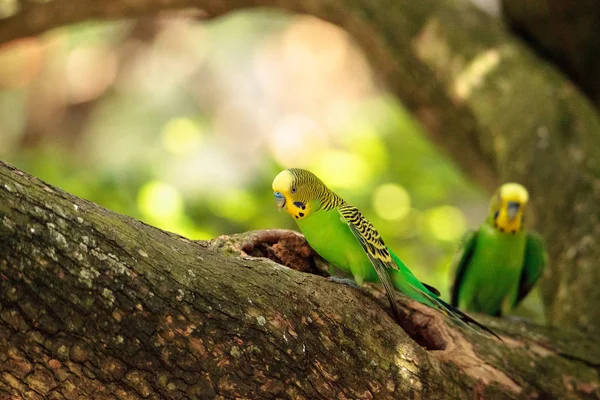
(343, 281)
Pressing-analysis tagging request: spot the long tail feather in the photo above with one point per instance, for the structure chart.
(458, 316)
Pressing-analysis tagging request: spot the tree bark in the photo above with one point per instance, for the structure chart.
(564, 31)
(499, 110)
(98, 305)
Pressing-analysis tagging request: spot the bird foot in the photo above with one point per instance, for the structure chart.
(343, 281)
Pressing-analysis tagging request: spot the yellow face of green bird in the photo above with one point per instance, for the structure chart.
(296, 191)
(507, 207)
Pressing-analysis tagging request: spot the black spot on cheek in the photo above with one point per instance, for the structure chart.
(496, 214)
(296, 216)
(301, 214)
(501, 229)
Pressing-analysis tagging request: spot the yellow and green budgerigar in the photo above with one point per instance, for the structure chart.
(498, 264)
(341, 235)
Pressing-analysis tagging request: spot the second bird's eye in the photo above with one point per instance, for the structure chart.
(293, 190)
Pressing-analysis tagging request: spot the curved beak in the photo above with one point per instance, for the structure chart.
(512, 208)
(279, 200)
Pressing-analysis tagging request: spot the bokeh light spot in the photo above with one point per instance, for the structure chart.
(89, 72)
(181, 136)
(160, 201)
(313, 49)
(8, 8)
(342, 169)
(445, 222)
(370, 146)
(391, 201)
(297, 140)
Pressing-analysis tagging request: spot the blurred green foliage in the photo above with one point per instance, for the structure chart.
(183, 124)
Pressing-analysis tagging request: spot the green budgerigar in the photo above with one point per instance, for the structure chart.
(347, 240)
(498, 264)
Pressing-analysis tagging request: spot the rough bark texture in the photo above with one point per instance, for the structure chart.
(564, 31)
(503, 113)
(97, 305)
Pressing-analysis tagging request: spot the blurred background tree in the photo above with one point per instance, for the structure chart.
(183, 123)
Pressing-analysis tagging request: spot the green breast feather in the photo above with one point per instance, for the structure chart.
(496, 270)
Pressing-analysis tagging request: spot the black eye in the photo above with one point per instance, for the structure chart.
(293, 190)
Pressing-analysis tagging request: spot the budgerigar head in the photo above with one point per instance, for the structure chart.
(297, 191)
(507, 207)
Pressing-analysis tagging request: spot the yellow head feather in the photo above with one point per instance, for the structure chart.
(507, 207)
(301, 193)
(283, 181)
(514, 192)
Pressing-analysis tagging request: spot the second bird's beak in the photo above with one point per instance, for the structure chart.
(512, 209)
(279, 200)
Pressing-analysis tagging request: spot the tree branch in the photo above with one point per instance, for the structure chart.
(501, 112)
(565, 32)
(97, 305)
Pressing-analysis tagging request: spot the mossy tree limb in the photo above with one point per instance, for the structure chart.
(97, 305)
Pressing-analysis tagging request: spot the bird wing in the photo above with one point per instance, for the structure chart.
(534, 263)
(373, 245)
(382, 261)
(461, 262)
